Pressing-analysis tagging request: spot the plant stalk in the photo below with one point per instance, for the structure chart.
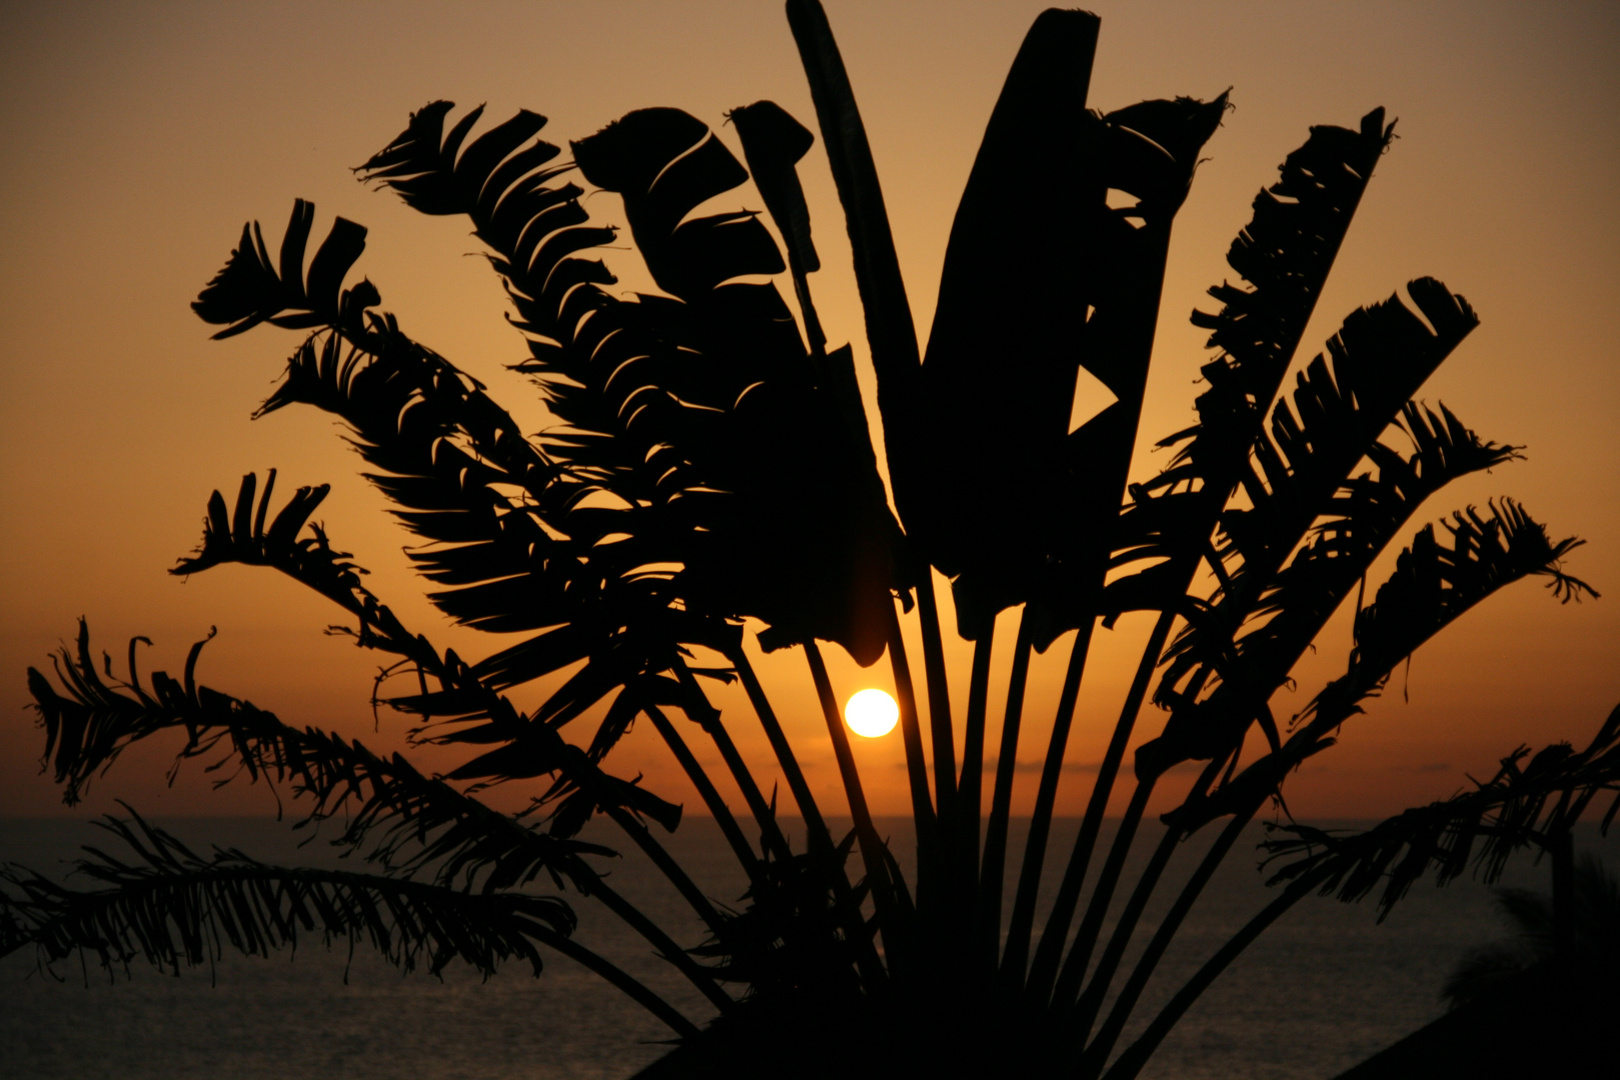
(873, 850)
(1085, 941)
(1136, 1055)
(816, 832)
(995, 837)
(939, 698)
(1131, 992)
(706, 791)
(1044, 970)
(631, 987)
(970, 795)
(708, 717)
(922, 810)
(666, 946)
(671, 869)
(818, 838)
(1016, 957)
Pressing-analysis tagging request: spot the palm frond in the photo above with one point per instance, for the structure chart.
(1528, 799)
(1381, 355)
(698, 417)
(1430, 587)
(171, 907)
(1284, 253)
(251, 290)
(1362, 520)
(1000, 360)
(91, 724)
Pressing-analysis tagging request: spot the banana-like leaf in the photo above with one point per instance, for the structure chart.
(665, 162)
(1024, 306)
(790, 487)
(890, 332)
(250, 290)
(773, 143)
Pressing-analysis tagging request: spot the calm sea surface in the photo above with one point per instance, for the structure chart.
(1324, 988)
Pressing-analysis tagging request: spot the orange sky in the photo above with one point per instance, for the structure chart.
(139, 137)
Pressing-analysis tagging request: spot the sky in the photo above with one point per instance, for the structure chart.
(139, 138)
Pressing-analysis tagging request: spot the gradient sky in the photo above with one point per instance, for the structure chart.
(139, 138)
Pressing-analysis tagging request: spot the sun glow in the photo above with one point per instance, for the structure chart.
(871, 713)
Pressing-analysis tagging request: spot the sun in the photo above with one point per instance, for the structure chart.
(871, 713)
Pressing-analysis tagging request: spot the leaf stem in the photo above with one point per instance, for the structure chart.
(1135, 1056)
(702, 711)
(1016, 956)
(872, 848)
(1048, 954)
(995, 837)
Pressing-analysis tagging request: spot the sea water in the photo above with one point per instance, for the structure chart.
(1322, 989)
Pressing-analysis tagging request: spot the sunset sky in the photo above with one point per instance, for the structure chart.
(139, 137)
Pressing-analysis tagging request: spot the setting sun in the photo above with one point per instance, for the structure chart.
(871, 713)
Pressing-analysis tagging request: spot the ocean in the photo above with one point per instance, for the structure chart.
(1324, 988)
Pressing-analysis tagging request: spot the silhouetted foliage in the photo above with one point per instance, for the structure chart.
(712, 462)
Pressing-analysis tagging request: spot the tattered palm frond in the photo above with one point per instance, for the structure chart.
(1380, 357)
(394, 814)
(1482, 826)
(1362, 521)
(699, 416)
(89, 725)
(171, 907)
(1284, 253)
(251, 289)
(240, 536)
(1430, 587)
(1529, 799)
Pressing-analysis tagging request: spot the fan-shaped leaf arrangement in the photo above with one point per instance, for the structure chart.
(711, 463)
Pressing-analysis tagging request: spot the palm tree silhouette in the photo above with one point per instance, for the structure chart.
(712, 463)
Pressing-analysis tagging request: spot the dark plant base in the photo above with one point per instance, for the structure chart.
(1544, 1024)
